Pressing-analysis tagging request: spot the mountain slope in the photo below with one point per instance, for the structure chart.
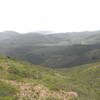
(33, 82)
(85, 79)
(81, 81)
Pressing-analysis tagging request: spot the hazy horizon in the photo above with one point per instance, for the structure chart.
(47, 32)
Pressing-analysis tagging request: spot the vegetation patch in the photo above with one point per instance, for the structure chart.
(7, 91)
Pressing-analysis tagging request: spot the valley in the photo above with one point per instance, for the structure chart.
(55, 50)
(58, 66)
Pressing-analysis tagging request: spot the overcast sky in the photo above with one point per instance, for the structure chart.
(49, 15)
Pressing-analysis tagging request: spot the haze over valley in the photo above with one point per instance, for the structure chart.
(53, 50)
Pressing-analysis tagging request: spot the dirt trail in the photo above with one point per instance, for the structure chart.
(38, 92)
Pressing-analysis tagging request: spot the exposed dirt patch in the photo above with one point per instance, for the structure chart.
(38, 92)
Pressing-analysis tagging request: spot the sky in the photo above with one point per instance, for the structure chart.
(49, 15)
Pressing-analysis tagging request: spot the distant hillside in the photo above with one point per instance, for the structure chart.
(6, 35)
(24, 81)
(57, 56)
(53, 50)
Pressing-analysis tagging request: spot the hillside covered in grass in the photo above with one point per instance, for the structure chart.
(24, 81)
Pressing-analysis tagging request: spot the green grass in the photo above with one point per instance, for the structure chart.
(7, 91)
(82, 79)
(85, 80)
(50, 98)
